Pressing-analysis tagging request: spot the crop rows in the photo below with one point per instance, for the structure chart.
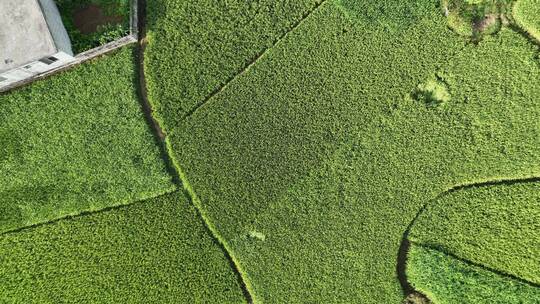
(494, 226)
(155, 251)
(308, 134)
(312, 163)
(76, 142)
(446, 280)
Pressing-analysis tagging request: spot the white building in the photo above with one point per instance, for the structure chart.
(33, 39)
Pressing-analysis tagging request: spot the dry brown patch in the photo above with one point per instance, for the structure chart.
(89, 18)
(416, 298)
(486, 23)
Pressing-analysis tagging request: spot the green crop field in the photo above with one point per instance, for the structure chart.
(76, 143)
(331, 151)
(214, 40)
(330, 143)
(527, 15)
(450, 281)
(156, 251)
(494, 226)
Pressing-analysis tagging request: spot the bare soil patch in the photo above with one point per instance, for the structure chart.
(89, 18)
(486, 23)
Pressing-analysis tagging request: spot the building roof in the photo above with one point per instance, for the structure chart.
(24, 34)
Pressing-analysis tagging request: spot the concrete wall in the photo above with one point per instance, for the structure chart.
(59, 55)
(32, 69)
(24, 34)
(56, 26)
(36, 70)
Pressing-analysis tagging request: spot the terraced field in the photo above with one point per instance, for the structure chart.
(83, 149)
(495, 226)
(321, 151)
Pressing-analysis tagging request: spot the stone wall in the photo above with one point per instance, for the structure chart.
(56, 26)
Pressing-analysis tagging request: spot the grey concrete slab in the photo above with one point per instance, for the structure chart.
(24, 34)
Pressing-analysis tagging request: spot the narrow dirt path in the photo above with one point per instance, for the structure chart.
(147, 108)
(160, 135)
(157, 131)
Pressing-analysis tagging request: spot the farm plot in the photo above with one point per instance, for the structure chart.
(209, 41)
(155, 251)
(494, 226)
(446, 280)
(76, 142)
(312, 163)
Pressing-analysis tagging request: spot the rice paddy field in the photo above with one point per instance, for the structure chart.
(77, 143)
(312, 151)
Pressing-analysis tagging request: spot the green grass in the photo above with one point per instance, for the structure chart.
(527, 15)
(495, 226)
(311, 164)
(105, 33)
(446, 280)
(76, 142)
(432, 93)
(155, 251)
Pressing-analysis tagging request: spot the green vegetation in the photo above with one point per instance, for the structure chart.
(308, 135)
(392, 16)
(209, 41)
(475, 18)
(76, 142)
(157, 251)
(527, 15)
(446, 280)
(104, 33)
(321, 147)
(495, 226)
(432, 93)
